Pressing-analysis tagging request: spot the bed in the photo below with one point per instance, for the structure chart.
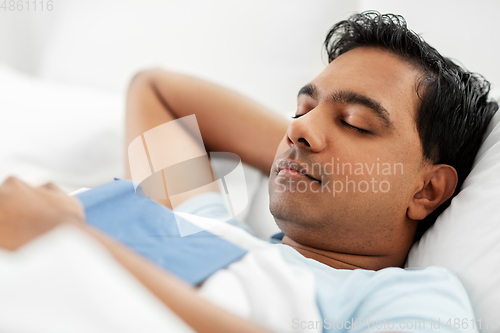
(63, 120)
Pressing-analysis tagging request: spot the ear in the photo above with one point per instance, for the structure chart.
(439, 185)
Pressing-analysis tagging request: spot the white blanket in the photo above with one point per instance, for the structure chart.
(66, 281)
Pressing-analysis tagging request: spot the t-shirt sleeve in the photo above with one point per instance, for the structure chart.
(419, 300)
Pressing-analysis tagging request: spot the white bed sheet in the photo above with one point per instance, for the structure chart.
(65, 281)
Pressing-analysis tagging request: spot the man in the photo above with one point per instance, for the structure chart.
(386, 100)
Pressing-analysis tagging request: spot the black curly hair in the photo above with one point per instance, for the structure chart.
(454, 110)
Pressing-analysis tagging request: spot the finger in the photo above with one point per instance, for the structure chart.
(12, 186)
(13, 181)
(52, 187)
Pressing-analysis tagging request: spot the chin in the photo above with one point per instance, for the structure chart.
(291, 213)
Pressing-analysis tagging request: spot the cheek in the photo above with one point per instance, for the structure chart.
(394, 180)
(378, 172)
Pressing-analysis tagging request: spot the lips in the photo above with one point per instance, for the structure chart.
(293, 166)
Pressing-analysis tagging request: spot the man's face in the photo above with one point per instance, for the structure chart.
(358, 153)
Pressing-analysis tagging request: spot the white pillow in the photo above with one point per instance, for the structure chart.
(466, 236)
(69, 135)
(72, 136)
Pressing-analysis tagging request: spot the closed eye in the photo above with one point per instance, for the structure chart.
(354, 128)
(349, 126)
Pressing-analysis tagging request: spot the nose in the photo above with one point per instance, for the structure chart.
(306, 132)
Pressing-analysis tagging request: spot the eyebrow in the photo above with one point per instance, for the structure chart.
(350, 97)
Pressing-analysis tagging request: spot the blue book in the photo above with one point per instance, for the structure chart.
(152, 230)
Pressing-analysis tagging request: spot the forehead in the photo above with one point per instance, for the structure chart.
(378, 74)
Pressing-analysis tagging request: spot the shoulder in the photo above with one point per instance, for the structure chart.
(422, 296)
(417, 286)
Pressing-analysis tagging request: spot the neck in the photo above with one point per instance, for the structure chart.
(345, 260)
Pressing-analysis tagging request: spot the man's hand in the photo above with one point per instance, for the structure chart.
(27, 212)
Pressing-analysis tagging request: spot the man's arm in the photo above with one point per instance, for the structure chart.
(228, 121)
(26, 213)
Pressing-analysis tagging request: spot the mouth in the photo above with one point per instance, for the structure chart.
(290, 168)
